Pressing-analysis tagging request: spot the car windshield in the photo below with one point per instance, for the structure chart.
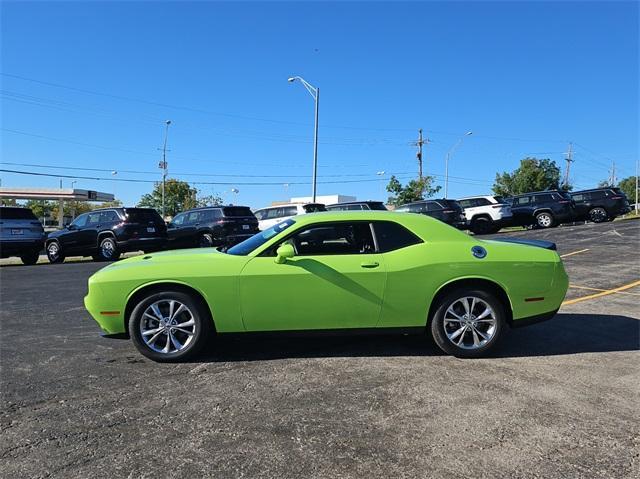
(257, 240)
(378, 206)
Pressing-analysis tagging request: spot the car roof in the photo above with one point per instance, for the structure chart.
(429, 229)
(355, 202)
(477, 196)
(594, 189)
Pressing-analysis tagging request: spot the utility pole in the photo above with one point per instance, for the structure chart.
(612, 178)
(419, 144)
(637, 162)
(163, 164)
(569, 159)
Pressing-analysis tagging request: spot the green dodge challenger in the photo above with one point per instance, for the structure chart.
(366, 270)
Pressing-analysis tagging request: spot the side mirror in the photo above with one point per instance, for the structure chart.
(72, 227)
(170, 225)
(284, 252)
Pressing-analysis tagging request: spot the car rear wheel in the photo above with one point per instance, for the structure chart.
(598, 215)
(30, 257)
(205, 240)
(108, 250)
(170, 326)
(54, 253)
(481, 226)
(468, 322)
(544, 220)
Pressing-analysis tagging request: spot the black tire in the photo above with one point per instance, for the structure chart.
(441, 331)
(203, 328)
(30, 258)
(55, 254)
(108, 250)
(205, 240)
(598, 215)
(481, 226)
(545, 220)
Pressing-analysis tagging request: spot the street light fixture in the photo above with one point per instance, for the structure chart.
(446, 163)
(315, 93)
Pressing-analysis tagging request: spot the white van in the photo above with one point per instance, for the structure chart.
(267, 217)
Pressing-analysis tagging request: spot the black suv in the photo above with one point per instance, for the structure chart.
(21, 234)
(357, 205)
(544, 209)
(105, 234)
(445, 210)
(212, 226)
(600, 204)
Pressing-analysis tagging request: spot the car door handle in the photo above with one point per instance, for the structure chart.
(369, 264)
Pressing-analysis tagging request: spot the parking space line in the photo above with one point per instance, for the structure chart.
(574, 252)
(575, 286)
(602, 293)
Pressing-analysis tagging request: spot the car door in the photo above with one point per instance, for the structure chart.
(88, 234)
(335, 281)
(70, 239)
(522, 210)
(182, 232)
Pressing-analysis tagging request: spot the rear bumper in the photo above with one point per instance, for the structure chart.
(17, 247)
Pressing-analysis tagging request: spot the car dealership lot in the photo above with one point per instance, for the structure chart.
(558, 400)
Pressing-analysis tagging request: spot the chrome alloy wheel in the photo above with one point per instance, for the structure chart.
(107, 249)
(470, 323)
(167, 326)
(544, 220)
(54, 250)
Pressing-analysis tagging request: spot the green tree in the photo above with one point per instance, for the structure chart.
(628, 187)
(533, 174)
(208, 200)
(179, 196)
(414, 190)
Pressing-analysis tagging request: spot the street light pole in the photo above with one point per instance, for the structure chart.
(163, 164)
(446, 163)
(315, 93)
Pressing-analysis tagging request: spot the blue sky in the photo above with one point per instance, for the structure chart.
(525, 77)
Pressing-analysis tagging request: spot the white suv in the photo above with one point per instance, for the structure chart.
(272, 215)
(486, 214)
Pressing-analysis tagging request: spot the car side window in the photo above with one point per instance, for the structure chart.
(260, 214)
(522, 201)
(94, 218)
(334, 239)
(80, 221)
(433, 206)
(194, 217)
(289, 211)
(579, 197)
(597, 195)
(178, 220)
(482, 202)
(392, 236)
(466, 203)
(109, 217)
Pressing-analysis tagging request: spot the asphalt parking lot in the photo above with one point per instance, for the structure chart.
(559, 399)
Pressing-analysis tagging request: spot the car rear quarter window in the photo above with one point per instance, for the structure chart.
(377, 206)
(109, 217)
(237, 211)
(16, 214)
(392, 236)
(543, 198)
(288, 211)
(468, 203)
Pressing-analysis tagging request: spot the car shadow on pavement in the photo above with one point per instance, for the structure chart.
(564, 334)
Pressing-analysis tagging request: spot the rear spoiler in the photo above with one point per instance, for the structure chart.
(538, 243)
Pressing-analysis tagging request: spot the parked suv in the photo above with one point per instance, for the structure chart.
(21, 234)
(486, 214)
(544, 209)
(600, 204)
(272, 215)
(212, 226)
(445, 210)
(358, 205)
(105, 234)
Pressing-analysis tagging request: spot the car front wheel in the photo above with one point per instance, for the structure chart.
(205, 240)
(598, 215)
(544, 220)
(482, 226)
(468, 323)
(170, 326)
(54, 253)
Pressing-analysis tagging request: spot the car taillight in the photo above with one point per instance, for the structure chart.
(616, 197)
(564, 201)
(499, 206)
